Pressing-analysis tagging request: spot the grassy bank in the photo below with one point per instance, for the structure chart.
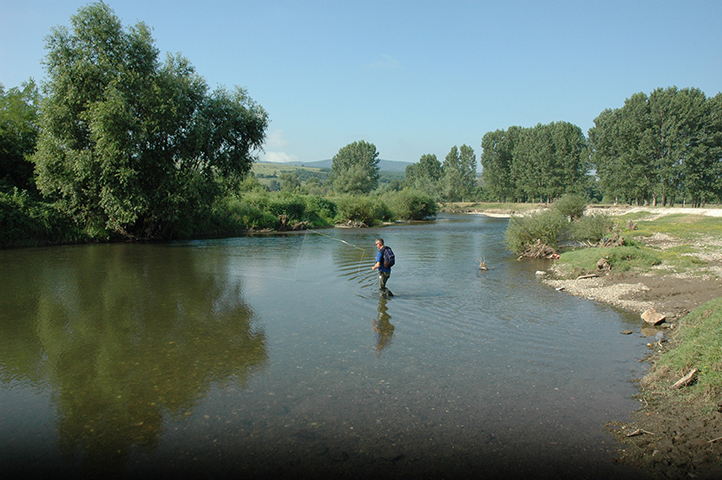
(677, 433)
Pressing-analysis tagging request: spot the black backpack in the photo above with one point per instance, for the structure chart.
(389, 257)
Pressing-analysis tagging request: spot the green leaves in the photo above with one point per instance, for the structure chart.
(660, 147)
(543, 162)
(129, 144)
(355, 168)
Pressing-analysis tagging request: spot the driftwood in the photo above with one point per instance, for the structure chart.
(538, 250)
(615, 241)
(591, 275)
(686, 380)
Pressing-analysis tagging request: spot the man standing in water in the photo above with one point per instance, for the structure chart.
(384, 271)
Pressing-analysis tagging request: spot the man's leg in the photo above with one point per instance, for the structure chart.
(383, 278)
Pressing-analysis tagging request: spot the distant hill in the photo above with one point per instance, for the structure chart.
(384, 165)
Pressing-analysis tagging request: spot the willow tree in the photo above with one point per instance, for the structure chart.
(130, 145)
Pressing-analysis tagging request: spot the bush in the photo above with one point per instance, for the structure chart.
(548, 226)
(571, 206)
(410, 204)
(360, 208)
(25, 221)
(320, 210)
(591, 228)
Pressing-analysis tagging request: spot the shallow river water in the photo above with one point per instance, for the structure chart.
(273, 356)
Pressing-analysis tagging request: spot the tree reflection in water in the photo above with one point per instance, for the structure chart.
(123, 336)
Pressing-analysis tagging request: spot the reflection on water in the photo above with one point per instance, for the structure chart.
(122, 336)
(382, 326)
(274, 355)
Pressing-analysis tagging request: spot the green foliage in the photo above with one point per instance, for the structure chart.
(360, 208)
(320, 210)
(591, 228)
(548, 226)
(130, 145)
(571, 206)
(18, 135)
(662, 147)
(355, 168)
(459, 174)
(410, 204)
(25, 221)
(543, 162)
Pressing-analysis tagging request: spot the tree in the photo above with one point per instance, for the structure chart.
(496, 162)
(355, 168)
(459, 173)
(425, 175)
(18, 135)
(130, 145)
(660, 147)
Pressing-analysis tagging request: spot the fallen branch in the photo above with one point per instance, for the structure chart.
(715, 439)
(591, 275)
(638, 431)
(686, 380)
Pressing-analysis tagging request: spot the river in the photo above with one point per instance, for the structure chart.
(273, 355)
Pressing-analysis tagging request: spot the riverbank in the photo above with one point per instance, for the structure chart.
(670, 436)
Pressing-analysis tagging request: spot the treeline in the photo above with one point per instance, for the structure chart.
(663, 148)
(534, 164)
(124, 145)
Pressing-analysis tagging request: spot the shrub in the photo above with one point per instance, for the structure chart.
(571, 206)
(320, 210)
(548, 226)
(359, 208)
(25, 221)
(410, 204)
(591, 228)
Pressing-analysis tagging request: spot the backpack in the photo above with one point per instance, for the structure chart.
(389, 257)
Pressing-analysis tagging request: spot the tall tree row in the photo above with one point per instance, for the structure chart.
(539, 163)
(453, 180)
(665, 148)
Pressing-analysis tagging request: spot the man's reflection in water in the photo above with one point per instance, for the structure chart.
(382, 326)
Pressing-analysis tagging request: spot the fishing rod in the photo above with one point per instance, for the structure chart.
(334, 238)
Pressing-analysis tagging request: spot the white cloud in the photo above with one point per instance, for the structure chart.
(276, 142)
(278, 157)
(276, 139)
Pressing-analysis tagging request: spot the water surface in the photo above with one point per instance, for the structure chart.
(274, 355)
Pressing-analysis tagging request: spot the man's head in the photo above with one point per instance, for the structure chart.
(379, 243)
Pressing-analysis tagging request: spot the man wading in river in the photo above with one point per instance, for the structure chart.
(384, 261)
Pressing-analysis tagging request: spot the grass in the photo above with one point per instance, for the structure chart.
(622, 259)
(697, 344)
(689, 235)
(496, 206)
(683, 226)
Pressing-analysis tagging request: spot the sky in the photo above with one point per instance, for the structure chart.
(411, 77)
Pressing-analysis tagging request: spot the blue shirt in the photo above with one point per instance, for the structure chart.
(380, 260)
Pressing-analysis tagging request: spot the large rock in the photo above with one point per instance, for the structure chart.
(653, 317)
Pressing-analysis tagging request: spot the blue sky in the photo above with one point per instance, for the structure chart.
(411, 77)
